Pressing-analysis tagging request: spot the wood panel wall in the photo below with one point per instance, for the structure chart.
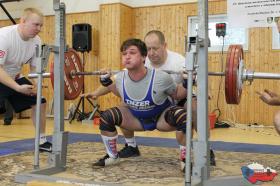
(116, 22)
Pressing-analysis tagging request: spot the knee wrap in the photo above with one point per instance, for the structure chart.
(109, 119)
(176, 117)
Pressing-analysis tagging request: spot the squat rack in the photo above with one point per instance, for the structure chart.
(197, 57)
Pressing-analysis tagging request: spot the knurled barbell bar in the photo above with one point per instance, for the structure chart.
(235, 74)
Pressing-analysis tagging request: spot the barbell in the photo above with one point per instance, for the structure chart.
(235, 74)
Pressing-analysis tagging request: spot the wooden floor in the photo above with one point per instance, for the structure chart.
(23, 129)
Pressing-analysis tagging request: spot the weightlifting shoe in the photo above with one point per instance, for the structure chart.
(106, 161)
(7, 122)
(45, 147)
(212, 161)
(212, 158)
(129, 151)
(183, 166)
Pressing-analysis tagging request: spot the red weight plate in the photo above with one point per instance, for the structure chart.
(240, 58)
(73, 85)
(228, 74)
(232, 90)
(232, 81)
(234, 76)
(237, 59)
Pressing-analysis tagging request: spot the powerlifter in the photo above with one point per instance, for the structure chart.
(145, 101)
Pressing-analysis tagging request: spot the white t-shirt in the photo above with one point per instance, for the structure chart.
(15, 52)
(174, 62)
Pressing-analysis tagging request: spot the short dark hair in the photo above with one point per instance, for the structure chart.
(135, 42)
(158, 33)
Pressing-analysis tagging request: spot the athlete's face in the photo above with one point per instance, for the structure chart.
(132, 58)
(156, 49)
(31, 25)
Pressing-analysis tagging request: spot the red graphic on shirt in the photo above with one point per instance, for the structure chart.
(2, 53)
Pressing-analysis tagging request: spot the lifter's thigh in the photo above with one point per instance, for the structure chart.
(129, 121)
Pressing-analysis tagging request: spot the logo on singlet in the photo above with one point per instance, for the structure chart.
(2, 53)
(139, 105)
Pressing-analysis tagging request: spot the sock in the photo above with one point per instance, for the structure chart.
(131, 141)
(111, 145)
(43, 139)
(182, 152)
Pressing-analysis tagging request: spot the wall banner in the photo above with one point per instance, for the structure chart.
(253, 13)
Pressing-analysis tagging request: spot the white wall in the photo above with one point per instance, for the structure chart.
(74, 6)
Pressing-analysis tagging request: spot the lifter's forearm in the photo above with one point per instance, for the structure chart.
(101, 90)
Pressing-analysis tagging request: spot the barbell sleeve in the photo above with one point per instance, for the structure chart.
(209, 73)
(264, 75)
(35, 75)
(216, 73)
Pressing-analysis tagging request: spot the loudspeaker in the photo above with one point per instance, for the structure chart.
(81, 37)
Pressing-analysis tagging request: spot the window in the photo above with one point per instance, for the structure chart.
(275, 38)
(233, 35)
